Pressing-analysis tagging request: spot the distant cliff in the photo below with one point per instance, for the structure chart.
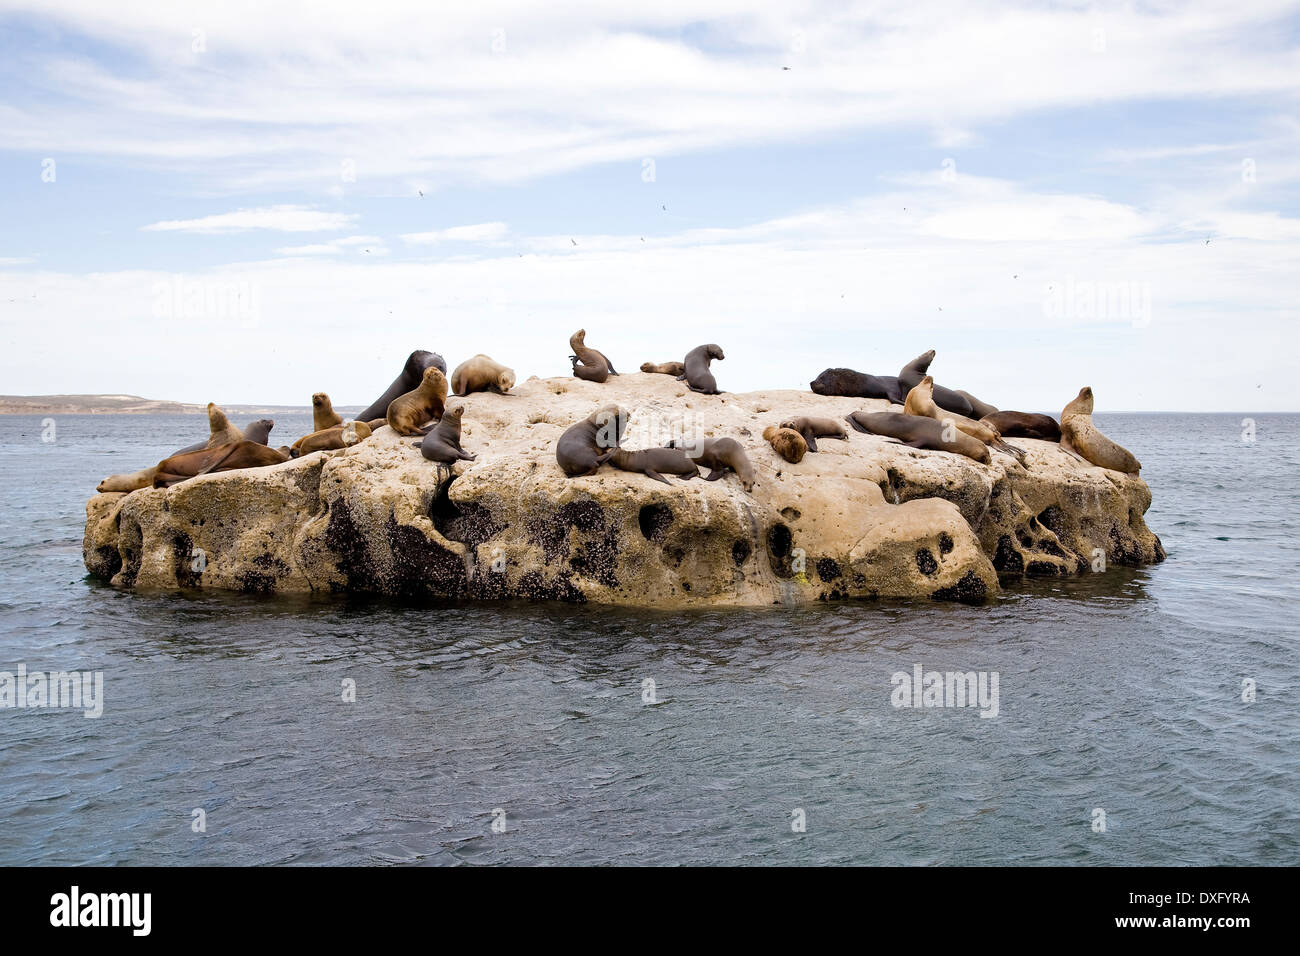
(125, 405)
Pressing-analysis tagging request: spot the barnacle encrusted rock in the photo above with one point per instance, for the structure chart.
(866, 517)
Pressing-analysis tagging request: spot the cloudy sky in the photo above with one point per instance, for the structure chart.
(252, 201)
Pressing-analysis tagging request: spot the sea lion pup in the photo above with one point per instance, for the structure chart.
(945, 398)
(654, 462)
(1024, 425)
(979, 409)
(443, 443)
(814, 428)
(323, 415)
(719, 455)
(787, 443)
(408, 413)
(1081, 438)
(916, 431)
(586, 446)
(482, 374)
(588, 356)
(239, 454)
(327, 439)
(920, 401)
(847, 382)
(136, 479)
(695, 369)
(589, 373)
(410, 377)
(676, 369)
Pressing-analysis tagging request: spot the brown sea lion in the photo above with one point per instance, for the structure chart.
(588, 356)
(327, 439)
(719, 455)
(814, 428)
(586, 446)
(945, 398)
(409, 413)
(1081, 438)
(135, 480)
(220, 429)
(482, 374)
(239, 454)
(847, 382)
(979, 409)
(676, 369)
(920, 432)
(409, 378)
(696, 369)
(920, 401)
(787, 443)
(442, 444)
(323, 415)
(1024, 425)
(655, 462)
(589, 373)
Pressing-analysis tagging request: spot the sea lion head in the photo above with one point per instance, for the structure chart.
(647, 366)
(320, 400)
(454, 411)
(579, 336)
(611, 423)
(714, 352)
(506, 380)
(434, 379)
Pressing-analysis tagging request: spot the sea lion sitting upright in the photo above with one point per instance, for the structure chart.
(482, 374)
(221, 431)
(588, 356)
(919, 432)
(676, 369)
(787, 443)
(946, 398)
(408, 413)
(586, 446)
(655, 462)
(719, 455)
(442, 444)
(132, 482)
(328, 439)
(589, 373)
(239, 454)
(920, 401)
(1024, 425)
(323, 415)
(1080, 437)
(847, 382)
(814, 428)
(409, 378)
(696, 369)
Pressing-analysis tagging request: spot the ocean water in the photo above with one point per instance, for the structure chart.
(771, 738)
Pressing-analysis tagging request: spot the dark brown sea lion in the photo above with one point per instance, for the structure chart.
(323, 415)
(588, 356)
(327, 439)
(787, 443)
(696, 369)
(259, 431)
(442, 444)
(589, 373)
(411, 375)
(408, 413)
(655, 462)
(676, 369)
(1024, 425)
(814, 428)
(719, 455)
(1080, 437)
(920, 401)
(586, 446)
(915, 370)
(847, 382)
(239, 454)
(482, 374)
(918, 432)
(979, 409)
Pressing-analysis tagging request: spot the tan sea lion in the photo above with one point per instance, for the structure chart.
(411, 374)
(588, 356)
(482, 374)
(917, 431)
(135, 480)
(920, 401)
(814, 428)
(654, 462)
(786, 442)
(676, 369)
(696, 369)
(239, 454)
(327, 439)
(586, 446)
(323, 415)
(1081, 438)
(410, 414)
(719, 455)
(220, 429)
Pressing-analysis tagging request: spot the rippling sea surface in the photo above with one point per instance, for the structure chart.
(1119, 691)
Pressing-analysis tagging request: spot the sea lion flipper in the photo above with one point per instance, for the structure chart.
(714, 474)
(810, 438)
(656, 476)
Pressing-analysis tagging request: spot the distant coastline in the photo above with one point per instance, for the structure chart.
(128, 405)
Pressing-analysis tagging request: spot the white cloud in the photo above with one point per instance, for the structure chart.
(18, 261)
(284, 218)
(362, 245)
(480, 232)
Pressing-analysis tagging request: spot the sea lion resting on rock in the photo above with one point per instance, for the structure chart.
(588, 356)
(696, 369)
(589, 373)
(655, 461)
(847, 382)
(1081, 438)
(482, 374)
(787, 443)
(323, 415)
(978, 409)
(408, 413)
(239, 454)
(719, 455)
(1024, 425)
(586, 446)
(327, 439)
(918, 432)
(920, 401)
(676, 369)
(814, 428)
(135, 480)
(222, 432)
(945, 398)
(442, 444)
(410, 377)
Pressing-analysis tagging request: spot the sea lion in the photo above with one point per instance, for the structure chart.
(814, 428)
(1024, 425)
(655, 461)
(676, 369)
(238, 454)
(323, 415)
(695, 369)
(408, 413)
(946, 398)
(442, 444)
(1081, 438)
(586, 446)
(327, 439)
(920, 401)
(787, 443)
(588, 356)
(719, 455)
(919, 432)
(411, 374)
(259, 431)
(847, 382)
(978, 409)
(589, 373)
(135, 480)
(220, 429)
(482, 374)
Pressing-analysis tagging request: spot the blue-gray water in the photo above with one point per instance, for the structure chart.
(1120, 691)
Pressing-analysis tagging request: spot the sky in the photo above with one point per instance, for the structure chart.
(250, 202)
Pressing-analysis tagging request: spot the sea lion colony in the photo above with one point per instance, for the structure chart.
(932, 417)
